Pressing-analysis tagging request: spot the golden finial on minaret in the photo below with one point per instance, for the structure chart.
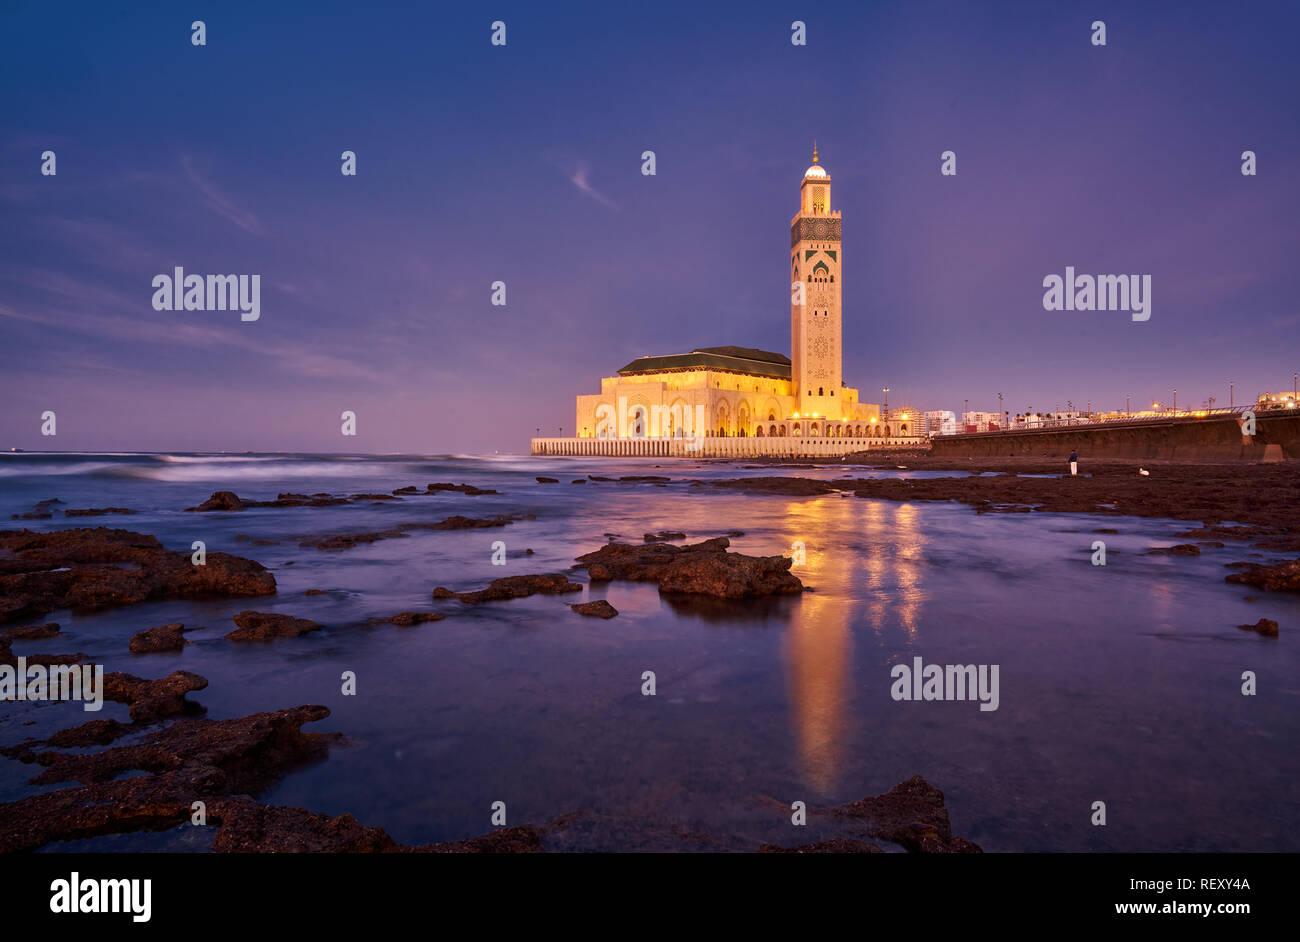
(814, 151)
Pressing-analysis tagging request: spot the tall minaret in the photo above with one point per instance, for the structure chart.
(815, 260)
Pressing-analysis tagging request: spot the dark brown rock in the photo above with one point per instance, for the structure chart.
(462, 488)
(513, 587)
(911, 814)
(542, 480)
(838, 845)
(30, 632)
(1284, 577)
(266, 626)
(152, 699)
(407, 619)
(220, 500)
(785, 486)
(342, 541)
(161, 639)
(191, 759)
(701, 568)
(100, 568)
(97, 511)
(1265, 626)
(664, 536)
(1182, 549)
(598, 608)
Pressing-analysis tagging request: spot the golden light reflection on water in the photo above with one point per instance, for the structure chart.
(819, 642)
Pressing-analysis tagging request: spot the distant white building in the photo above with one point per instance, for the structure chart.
(981, 421)
(943, 422)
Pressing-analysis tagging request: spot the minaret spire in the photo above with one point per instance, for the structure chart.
(814, 150)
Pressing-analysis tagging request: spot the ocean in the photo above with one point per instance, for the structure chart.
(1118, 683)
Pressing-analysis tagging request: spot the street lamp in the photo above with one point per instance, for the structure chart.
(1231, 399)
(885, 390)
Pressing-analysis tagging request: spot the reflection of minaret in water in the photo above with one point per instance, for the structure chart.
(819, 652)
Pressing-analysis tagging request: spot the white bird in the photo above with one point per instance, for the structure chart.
(1144, 472)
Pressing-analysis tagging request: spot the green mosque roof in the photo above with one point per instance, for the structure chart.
(732, 359)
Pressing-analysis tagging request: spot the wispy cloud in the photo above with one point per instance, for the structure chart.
(579, 179)
(219, 203)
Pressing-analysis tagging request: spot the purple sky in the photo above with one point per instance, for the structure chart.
(522, 164)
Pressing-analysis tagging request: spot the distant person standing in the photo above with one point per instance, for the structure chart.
(1074, 463)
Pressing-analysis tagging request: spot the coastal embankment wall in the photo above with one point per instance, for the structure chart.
(796, 446)
(1276, 438)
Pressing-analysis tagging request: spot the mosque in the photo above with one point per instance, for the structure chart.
(799, 403)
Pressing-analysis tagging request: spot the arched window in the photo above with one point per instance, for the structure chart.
(819, 391)
(783, 431)
(759, 434)
(772, 430)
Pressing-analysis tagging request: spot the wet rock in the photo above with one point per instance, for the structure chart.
(528, 552)
(578, 481)
(597, 609)
(542, 480)
(1212, 544)
(355, 497)
(1182, 549)
(342, 541)
(838, 845)
(407, 619)
(152, 699)
(513, 840)
(911, 814)
(169, 637)
(316, 592)
(30, 632)
(664, 536)
(409, 489)
(93, 733)
(43, 510)
(788, 486)
(191, 759)
(641, 478)
(99, 568)
(513, 587)
(248, 827)
(220, 500)
(266, 626)
(469, 489)
(1284, 577)
(1265, 626)
(701, 568)
(8, 657)
(97, 511)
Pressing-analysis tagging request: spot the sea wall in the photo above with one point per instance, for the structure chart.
(1277, 438)
(787, 447)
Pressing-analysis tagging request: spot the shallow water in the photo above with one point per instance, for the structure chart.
(1118, 683)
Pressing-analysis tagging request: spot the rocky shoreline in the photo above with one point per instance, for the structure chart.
(176, 757)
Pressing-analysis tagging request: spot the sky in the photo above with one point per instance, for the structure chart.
(522, 164)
